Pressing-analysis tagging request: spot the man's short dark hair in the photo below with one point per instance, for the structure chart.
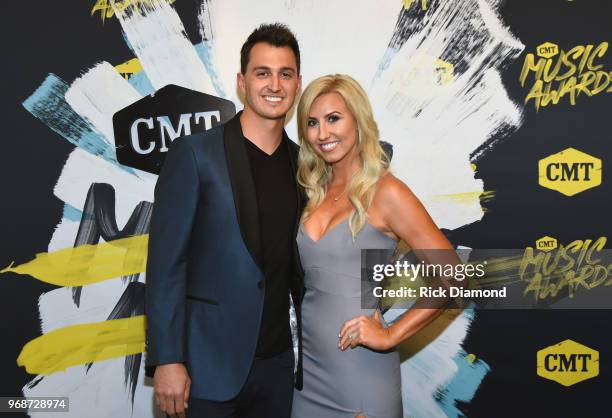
(275, 34)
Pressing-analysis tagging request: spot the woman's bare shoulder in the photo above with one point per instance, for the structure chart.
(391, 191)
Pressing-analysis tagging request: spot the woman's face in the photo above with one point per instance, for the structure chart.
(331, 129)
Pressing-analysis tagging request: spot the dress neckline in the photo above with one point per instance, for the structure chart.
(331, 229)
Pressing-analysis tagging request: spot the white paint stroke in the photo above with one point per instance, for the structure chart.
(157, 37)
(57, 308)
(435, 126)
(98, 94)
(82, 169)
(100, 392)
(64, 235)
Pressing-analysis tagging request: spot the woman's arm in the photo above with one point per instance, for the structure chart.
(403, 215)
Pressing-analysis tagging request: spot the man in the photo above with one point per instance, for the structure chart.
(222, 256)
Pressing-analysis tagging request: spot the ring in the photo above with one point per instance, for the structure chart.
(351, 336)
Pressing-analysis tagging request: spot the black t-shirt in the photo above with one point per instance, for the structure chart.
(276, 199)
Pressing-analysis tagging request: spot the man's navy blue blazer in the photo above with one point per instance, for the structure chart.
(205, 286)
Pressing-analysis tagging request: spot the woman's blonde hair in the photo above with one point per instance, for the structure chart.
(314, 173)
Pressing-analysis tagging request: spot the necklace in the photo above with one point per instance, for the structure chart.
(346, 186)
(340, 195)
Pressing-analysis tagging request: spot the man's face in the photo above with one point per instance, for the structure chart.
(271, 81)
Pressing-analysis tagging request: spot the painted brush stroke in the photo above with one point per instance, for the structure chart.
(85, 343)
(157, 36)
(435, 126)
(87, 264)
(49, 105)
(470, 373)
(99, 392)
(99, 221)
(82, 169)
(429, 364)
(84, 96)
(130, 304)
(435, 132)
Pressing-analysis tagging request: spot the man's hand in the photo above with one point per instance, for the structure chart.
(172, 384)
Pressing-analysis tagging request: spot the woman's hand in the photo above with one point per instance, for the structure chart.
(368, 331)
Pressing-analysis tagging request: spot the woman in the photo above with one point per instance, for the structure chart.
(350, 366)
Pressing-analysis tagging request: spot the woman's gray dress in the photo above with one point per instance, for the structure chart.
(341, 383)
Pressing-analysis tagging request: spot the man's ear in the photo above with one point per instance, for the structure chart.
(299, 89)
(240, 81)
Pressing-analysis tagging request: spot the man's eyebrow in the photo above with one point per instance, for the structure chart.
(263, 67)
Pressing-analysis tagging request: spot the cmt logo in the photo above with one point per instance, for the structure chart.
(547, 50)
(569, 172)
(546, 243)
(568, 363)
(145, 129)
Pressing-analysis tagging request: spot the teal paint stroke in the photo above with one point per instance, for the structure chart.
(141, 83)
(48, 103)
(385, 61)
(71, 213)
(461, 386)
(205, 52)
(464, 384)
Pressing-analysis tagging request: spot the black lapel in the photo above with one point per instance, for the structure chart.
(293, 157)
(301, 199)
(243, 188)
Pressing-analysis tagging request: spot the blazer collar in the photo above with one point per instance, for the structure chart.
(243, 188)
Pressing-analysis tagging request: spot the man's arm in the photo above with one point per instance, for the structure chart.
(176, 198)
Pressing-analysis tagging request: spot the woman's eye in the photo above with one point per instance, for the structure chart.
(311, 123)
(332, 118)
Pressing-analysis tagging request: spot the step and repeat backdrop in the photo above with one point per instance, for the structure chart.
(499, 116)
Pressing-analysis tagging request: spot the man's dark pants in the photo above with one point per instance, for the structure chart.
(267, 393)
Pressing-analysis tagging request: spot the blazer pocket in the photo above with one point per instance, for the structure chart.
(203, 300)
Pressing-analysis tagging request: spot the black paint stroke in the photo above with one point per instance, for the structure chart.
(130, 304)
(99, 220)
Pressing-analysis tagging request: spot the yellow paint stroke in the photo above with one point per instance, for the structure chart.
(445, 71)
(471, 358)
(88, 264)
(505, 270)
(82, 344)
(408, 3)
(105, 8)
(466, 197)
(129, 68)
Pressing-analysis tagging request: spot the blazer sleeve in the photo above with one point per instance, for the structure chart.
(174, 211)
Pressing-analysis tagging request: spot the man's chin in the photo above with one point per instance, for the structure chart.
(274, 114)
